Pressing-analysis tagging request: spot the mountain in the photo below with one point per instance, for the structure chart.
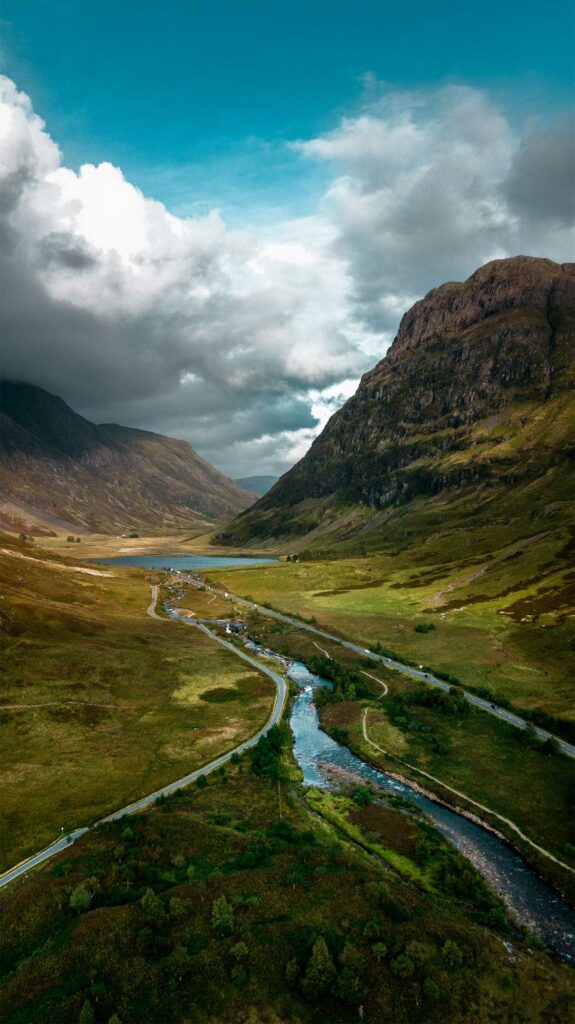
(471, 410)
(57, 466)
(257, 484)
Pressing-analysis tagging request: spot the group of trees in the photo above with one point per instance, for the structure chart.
(319, 976)
(348, 684)
(265, 756)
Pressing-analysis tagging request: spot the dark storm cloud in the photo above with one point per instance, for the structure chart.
(241, 341)
(541, 181)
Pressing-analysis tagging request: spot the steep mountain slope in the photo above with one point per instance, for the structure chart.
(63, 468)
(471, 410)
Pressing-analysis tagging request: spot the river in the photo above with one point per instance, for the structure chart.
(530, 900)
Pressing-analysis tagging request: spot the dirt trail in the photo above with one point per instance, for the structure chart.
(511, 824)
(380, 681)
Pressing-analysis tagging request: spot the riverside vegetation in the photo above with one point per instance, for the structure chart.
(238, 901)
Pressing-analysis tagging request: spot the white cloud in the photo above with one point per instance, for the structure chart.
(246, 341)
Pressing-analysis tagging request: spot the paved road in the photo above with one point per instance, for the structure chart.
(140, 805)
(414, 673)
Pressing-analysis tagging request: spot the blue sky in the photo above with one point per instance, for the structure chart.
(194, 99)
(217, 212)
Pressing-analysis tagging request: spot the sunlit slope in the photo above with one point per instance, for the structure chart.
(99, 703)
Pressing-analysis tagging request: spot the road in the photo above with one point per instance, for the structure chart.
(424, 677)
(146, 801)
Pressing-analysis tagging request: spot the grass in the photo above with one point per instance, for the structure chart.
(147, 944)
(478, 603)
(101, 704)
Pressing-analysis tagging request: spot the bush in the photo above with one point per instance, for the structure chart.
(424, 627)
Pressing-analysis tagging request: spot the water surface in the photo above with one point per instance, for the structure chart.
(182, 563)
(530, 900)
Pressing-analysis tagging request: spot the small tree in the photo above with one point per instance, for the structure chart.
(222, 915)
(70, 540)
(320, 973)
(451, 954)
(80, 899)
(153, 907)
(292, 971)
(87, 1015)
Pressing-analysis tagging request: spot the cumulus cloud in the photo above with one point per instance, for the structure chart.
(245, 342)
(431, 185)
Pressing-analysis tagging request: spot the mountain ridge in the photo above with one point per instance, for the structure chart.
(101, 477)
(476, 391)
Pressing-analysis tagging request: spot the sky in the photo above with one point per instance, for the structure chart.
(213, 214)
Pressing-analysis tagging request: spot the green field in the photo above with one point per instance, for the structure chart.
(211, 908)
(498, 621)
(101, 704)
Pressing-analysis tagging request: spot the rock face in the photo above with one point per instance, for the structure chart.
(477, 388)
(67, 470)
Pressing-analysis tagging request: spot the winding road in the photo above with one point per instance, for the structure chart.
(419, 674)
(146, 801)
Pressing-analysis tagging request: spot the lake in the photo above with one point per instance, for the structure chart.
(182, 563)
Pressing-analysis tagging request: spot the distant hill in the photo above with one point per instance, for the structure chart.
(257, 484)
(57, 466)
(469, 419)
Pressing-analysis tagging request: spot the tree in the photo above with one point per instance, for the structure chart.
(87, 1015)
(451, 954)
(240, 951)
(80, 899)
(320, 973)
(153, 907)
(292, 971)
(222, 915)
(201, 782)
(403, 966)
(70, 540)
